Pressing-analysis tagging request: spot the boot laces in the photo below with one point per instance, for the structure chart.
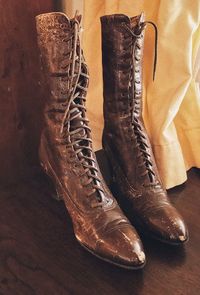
(74, 125)
(141, 141)
(137, 33)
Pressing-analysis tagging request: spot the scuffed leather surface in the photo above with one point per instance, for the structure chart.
(103, 230)
(122, 77)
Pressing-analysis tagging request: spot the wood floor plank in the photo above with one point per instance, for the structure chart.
(39, 254)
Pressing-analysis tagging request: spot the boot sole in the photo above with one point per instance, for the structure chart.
(175, 244)
(110, 261)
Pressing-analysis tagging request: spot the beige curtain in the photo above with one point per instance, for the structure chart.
(70, 6)
(172, 101)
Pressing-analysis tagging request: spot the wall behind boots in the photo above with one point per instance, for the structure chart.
(21, 94)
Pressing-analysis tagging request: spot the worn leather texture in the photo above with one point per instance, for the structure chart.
(66, 151)
(124, 137)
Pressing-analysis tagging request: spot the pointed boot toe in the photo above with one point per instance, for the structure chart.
(168, 226)
(122, 247)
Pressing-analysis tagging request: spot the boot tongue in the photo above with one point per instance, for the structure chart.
(137, 20)
(77, 17)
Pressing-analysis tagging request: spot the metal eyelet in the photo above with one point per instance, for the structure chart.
(63, 26)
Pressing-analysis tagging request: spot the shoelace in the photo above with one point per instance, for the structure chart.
(143, 146)
(141, 138)
(137, 35)
(79, 139)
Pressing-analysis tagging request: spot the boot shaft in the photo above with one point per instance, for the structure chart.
(66, 137)
(124, 135)
(56, 39)
(122, 51)
(62, 59)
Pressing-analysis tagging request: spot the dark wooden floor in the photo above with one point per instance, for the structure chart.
(39, 254)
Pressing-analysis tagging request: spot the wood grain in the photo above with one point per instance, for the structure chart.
(39, 254)
(21, 94)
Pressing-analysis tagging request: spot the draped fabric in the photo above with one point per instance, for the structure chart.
(171, 104)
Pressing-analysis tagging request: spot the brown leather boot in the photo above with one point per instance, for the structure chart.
(125, 139)
(66, 148)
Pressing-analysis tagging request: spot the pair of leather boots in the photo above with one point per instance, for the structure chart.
(66, 151)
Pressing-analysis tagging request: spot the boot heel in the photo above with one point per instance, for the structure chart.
(57, 195)
(55, 191)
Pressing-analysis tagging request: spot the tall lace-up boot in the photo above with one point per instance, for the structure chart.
(66, 148)
(124, 137)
